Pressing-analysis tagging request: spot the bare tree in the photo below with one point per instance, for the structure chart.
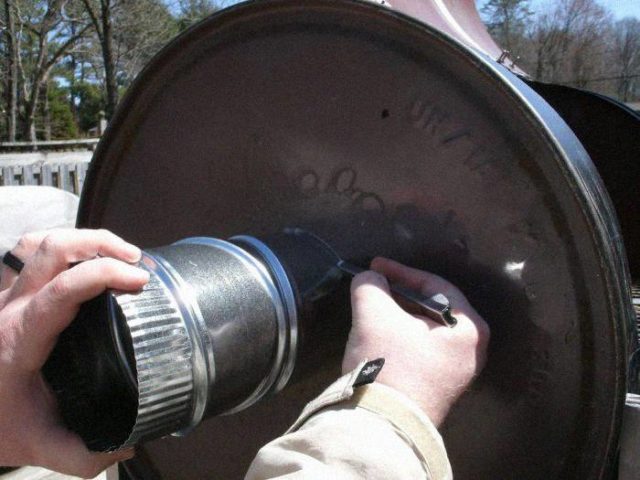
(101, 15)
(587, 46)
(143, 28)
(546, 38)
(46, 41)
(192, 11)
(11, 56)
(507, 20)
(129, 33)
(627, 56)
(570, 42)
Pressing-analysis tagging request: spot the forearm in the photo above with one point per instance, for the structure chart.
(371, 432)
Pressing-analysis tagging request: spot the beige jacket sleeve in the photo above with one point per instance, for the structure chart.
(368, 432)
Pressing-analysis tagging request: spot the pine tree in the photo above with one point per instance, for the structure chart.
(507, 21)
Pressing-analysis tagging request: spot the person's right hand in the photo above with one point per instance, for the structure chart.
(428, 362)
(36, 305)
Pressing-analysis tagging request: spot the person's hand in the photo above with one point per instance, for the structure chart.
(36, 305)
(428, 362)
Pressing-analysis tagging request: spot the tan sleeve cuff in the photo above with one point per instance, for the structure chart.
(410, 421)
(406, 418)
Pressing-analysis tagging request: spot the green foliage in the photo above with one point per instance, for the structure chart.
(66, 40)
(90, 102)
(63, 125)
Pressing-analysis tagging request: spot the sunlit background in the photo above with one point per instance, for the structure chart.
(69, 85)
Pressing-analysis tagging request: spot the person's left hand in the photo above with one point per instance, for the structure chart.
(36, 305)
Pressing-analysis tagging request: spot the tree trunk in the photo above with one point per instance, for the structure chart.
(46, 35)
(31, 108)
(73, 64)
(72, 89)
(623, 88)
(46, 112)
(31, 105)
(108, 58)
(12, 72)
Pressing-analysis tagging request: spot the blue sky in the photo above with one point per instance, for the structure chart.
(624, 8)
(619, 8)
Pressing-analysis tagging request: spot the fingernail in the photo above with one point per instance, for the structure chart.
(375, 263)
(144, 274)
(132, 252)
(378, 276)
(382, 282)
(375, 278)
(139, 273)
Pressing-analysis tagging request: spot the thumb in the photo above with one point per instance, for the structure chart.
(371, 299)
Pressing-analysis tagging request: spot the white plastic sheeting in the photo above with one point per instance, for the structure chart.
(26, 209)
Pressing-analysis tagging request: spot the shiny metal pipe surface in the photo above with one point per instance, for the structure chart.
(213, 332)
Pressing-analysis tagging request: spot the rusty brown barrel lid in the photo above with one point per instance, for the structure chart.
(386, 137)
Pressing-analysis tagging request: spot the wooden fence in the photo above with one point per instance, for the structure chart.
(49, 146)
(47, 166)
(69, 177)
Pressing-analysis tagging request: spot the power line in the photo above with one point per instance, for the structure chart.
(600, 79)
